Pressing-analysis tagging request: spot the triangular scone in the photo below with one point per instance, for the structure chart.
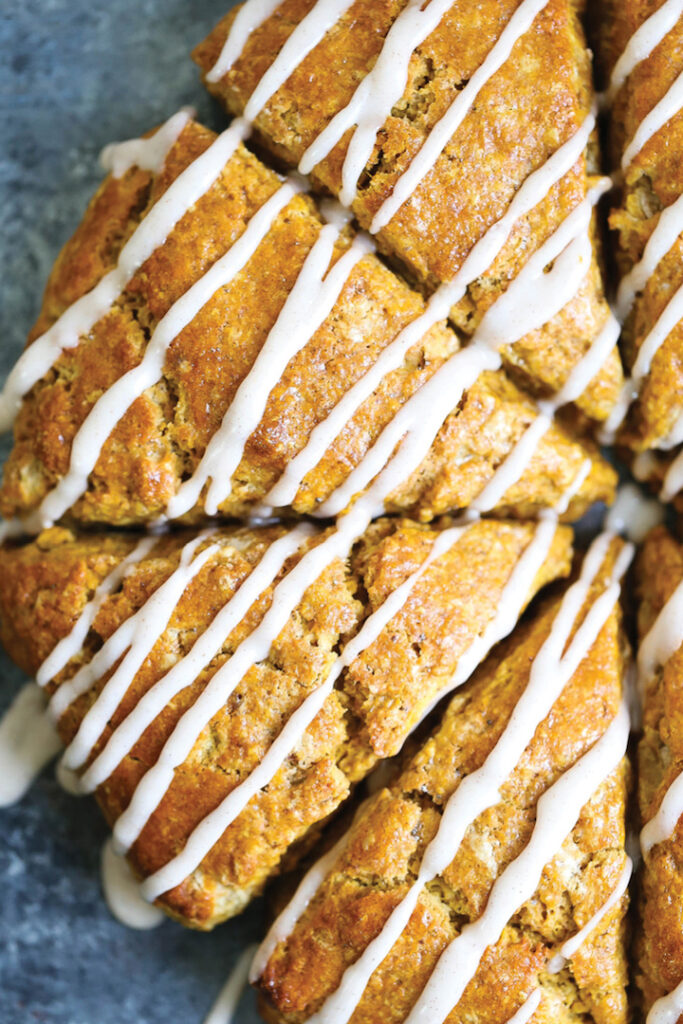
(505, 913)
(660, 626)
(469, 125)
(647, 147)
(118, 449)
(308, 657)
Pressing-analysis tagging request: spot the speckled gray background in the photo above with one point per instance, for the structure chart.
(75, 74)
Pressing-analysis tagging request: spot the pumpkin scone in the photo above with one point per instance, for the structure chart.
(489, 880)
(461, 136)
(222, 691)
(660, 662)
(642, 50)
(217, 347)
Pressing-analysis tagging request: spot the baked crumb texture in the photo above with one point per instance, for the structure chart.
(45, 585)
(652, 184)
(158, 443)
(388, 840)
(535, 102)
(487, 439)
(659, 933)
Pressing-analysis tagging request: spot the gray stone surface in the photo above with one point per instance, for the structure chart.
(76, 74)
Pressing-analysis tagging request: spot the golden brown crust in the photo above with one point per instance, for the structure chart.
(388, 840)
(161, 439)
(472, 183)
(653, 181)
(660, 755)
(45, 584)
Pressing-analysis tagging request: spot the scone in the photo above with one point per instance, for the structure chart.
(222, 691)
(642, 46)
(660, 756)
(488, 882)
(443, 129)
(233, 370)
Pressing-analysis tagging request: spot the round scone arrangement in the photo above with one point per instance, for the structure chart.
(299, 436)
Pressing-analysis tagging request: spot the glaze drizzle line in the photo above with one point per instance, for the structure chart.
(205, 648)
(557, 813)
(152, 231)
(28, 741)
(669, 226)
(209, 831)
(661, 643)
(482, 256)
(112, 405)
(551, 670)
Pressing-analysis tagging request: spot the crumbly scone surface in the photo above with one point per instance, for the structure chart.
(653, 181)
(450, 455)
(388, 841)
(380, 697)
(472, 183)
(660, 760)
(159, 442)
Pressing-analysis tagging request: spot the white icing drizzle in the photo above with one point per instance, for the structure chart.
(481, 257)
(242, 414)
(661, 330)
(673, 481)
(667, 230)
(71, 644)
(376, 95)
(661, 827)
(134, 638)
(661, 643)
(663, 639)
(250, 16)
(643, 42)
(668, 227)
(513, 467)
(633, 514)
(667, 108)
(418, 421)
(668, 1009)
(28, 740)
(512, 601)
(629, 392)
(555, 288)
(412, 431)
(550, 672)
(305, 37)
(582, 373)
(572, 945)
(445, 128)
(283, 925)
(112, 405)
(527, 1009)
(557, 813)
(212, 827)
(644, 466)
(512, 316)
(203, 651)
(535, 296)
(675, 435)
(82, 315)
(308, 304)
(223, 1010)
(571, 492)
(149, 154)
(68, 779)
(254, 648)
(122, 892)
